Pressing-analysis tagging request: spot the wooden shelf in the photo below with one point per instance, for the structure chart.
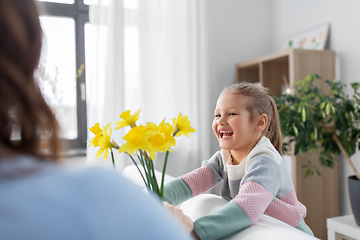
(319, 194)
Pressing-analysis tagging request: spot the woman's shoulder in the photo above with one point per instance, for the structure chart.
(85, 199)
(96, 180)
(24, 170)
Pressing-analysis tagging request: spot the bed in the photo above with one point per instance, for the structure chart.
(267, 228)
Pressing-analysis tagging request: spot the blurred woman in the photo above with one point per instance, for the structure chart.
(40, 198)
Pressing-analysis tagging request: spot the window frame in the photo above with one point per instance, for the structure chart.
(79, 12)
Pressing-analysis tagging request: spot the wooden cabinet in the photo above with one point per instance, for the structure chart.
(319, 194)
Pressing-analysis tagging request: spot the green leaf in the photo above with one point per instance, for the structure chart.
(327, 109)
(296, 131)
(332, 108)
(323, 114)
(299, 109)
(317, 76)
(355, 86)
(322, 105)
(303, 114)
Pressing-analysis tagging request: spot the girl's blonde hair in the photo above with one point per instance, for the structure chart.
(260, 102)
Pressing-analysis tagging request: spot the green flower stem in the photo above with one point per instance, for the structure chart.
(112, 158)
(151, 177)
(148, 174)
(142, 162)
(141, 158)
(147, 183)
(154, 177)
(163, 175)
(145, 169)
(142, 176)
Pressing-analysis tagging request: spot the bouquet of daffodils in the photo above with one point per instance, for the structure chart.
(142, 142)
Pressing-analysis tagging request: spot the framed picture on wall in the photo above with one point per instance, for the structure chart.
(314, 38)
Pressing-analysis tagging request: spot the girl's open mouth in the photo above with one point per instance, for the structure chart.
(225, 134)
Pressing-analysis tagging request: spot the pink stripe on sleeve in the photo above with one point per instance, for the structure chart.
(200, 180)
(287, 209)
(253, 198)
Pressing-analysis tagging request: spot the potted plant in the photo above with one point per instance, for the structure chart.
(324, 120)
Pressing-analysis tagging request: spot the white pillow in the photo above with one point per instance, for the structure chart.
(267, 228)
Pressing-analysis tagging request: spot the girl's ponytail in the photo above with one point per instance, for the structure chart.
(274, 130)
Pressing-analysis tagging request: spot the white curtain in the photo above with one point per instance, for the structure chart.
(104, 67)
(149, 57)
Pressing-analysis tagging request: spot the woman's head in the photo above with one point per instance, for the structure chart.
(245, 112)
(22, 105)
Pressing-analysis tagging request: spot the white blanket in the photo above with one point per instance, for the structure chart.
(267, 228)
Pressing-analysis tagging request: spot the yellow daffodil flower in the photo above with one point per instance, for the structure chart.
(144, 141)
(128, 119)
(166, 128)
(105, 144)
(152, 126)
(182, 126)
(162, 141)
(138, 139)
(98, 134)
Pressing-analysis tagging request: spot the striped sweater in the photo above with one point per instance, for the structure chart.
(260, 184)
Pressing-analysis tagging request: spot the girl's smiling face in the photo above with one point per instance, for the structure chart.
(234, 126)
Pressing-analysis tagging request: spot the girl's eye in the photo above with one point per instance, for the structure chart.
(217, 115)
(232, 114)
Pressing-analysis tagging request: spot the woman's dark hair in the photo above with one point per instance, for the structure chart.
(22, 106)
(260, 102)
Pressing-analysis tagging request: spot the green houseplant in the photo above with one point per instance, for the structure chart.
(321, 120)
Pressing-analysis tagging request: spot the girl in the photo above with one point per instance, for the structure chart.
(256, 179)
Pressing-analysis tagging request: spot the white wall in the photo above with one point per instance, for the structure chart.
(236, 31)
(344, 39)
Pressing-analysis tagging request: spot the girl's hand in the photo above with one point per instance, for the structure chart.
(184, 220)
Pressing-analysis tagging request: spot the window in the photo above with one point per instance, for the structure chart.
(63, 23)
